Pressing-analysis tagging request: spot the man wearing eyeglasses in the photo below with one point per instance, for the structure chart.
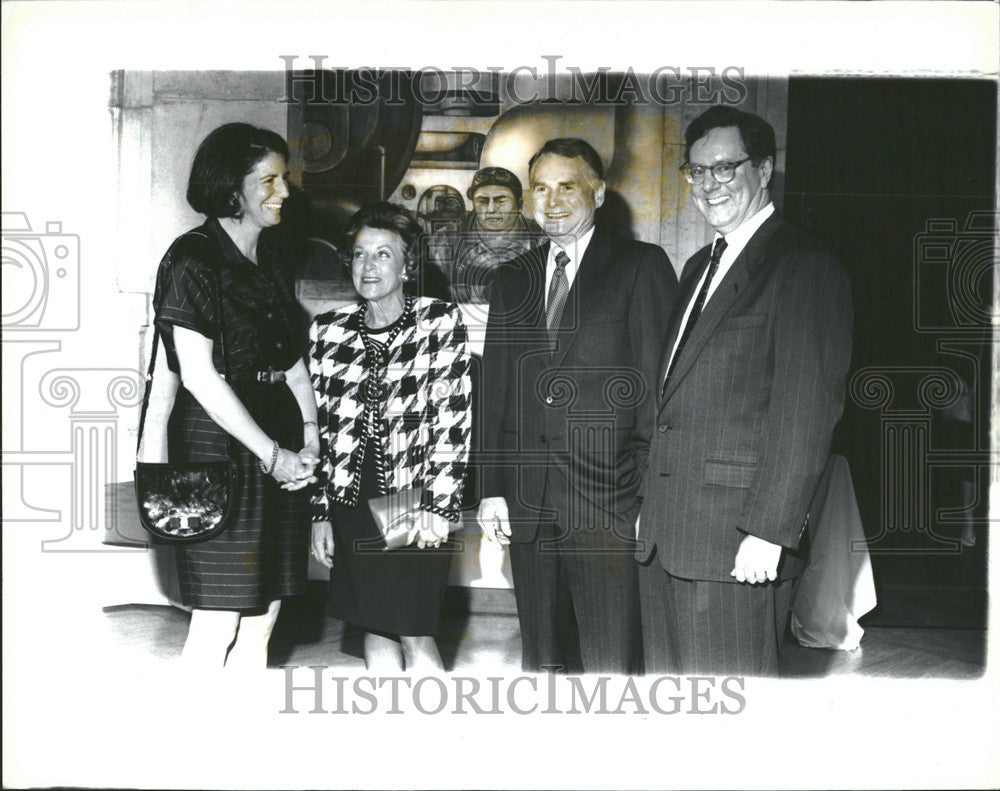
(751, 386)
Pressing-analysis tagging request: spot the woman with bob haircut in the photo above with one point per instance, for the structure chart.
(391, 375)
(224, 287)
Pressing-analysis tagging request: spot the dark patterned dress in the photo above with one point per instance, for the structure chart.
(263, 555)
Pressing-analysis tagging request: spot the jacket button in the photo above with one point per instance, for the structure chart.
(662, 427)
(548, 399)
(280, 345)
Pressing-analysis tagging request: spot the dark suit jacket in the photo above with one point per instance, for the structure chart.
(743, 428)
(563, 434)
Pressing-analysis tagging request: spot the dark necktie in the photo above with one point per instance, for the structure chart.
(558, 289)
(699, 304)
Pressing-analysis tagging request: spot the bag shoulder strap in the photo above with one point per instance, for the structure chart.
(216, 271)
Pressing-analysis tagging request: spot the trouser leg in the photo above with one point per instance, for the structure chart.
(699, 626)
(543, 606)
(603, 580)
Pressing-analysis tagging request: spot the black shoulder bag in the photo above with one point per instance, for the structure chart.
(183, 503)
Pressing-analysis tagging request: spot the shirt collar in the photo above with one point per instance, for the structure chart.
(737, 240)
(230, 252)
(576, 250)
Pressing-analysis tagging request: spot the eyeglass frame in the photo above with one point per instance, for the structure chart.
(686, 170)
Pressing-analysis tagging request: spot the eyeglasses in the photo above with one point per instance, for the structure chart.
(722, 172)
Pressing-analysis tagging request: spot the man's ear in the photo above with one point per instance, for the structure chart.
(599, 195)
(766, 170)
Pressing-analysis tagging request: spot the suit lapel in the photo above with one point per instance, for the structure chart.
(536, 260)
(689, 282)
(728, 290)
(584, 294)
(532, 284)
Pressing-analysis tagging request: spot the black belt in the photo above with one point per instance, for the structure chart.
(262, 377)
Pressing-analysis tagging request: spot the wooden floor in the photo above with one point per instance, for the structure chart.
(915, 633)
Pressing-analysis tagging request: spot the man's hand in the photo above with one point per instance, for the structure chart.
(322, 543)
(756, 560)
(494, 520)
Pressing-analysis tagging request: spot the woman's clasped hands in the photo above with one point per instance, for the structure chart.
(296, 470)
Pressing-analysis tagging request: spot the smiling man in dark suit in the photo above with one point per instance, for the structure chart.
(572, 348)
(751, 386)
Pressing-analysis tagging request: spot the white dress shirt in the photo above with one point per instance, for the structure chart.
(735, 242)
(575, 251)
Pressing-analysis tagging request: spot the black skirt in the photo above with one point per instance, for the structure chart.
(399, 592)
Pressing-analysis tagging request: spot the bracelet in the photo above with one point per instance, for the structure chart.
(274, 460)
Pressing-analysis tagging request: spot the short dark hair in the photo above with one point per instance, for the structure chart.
(221, 163)
(387, 217)
(756, 134)
(571, 147)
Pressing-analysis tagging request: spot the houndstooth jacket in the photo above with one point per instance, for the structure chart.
(427, 417)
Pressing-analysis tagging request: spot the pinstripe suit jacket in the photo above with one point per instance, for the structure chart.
(565, 430)
(743, 427)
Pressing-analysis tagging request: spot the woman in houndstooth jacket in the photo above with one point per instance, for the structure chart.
(391, 376)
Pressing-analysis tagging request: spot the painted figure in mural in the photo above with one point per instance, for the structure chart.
(236, 581)
(574, 338)
(750, 387)
(494, 231)
(391, 374)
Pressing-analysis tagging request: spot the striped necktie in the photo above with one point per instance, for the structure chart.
(558, 290)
